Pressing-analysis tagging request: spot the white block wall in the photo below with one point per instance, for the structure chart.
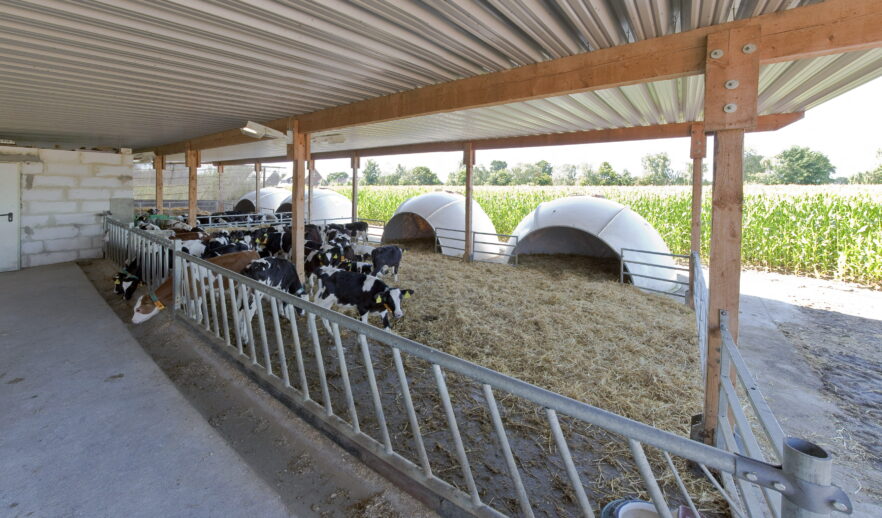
(63, 194)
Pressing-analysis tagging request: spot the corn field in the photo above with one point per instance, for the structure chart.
(823, 231)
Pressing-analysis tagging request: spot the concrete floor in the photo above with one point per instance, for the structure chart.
(91, 427)
(96, 424)
(814, 347)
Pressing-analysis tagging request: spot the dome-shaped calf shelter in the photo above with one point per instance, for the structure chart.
(326, 204)
(597, 227)
(441, 214)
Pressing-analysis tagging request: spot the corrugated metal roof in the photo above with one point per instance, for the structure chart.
(133, 73)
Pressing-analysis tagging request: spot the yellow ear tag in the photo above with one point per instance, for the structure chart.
(379, 299)
(407, 294)
(116, 281)
(159, 305)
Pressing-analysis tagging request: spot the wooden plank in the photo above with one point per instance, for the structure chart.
(298, 153)
(681, 129)
(697, 151)
(468, 159)
(725, 261)
(732, 66)
(192, 162)
(158, 171)
(829, 27)
(355, 163)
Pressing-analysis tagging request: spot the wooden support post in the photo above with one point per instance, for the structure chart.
(310, 166)
(469, 161)
(257, 170)
(731, 88)
(192, 159)
(356, 163)
(159, 169)
(220, 188)
(298, 153)
(697, 152)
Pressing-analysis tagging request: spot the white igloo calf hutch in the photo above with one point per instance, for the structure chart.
(441, 215)
(597, 227)
(326, 204)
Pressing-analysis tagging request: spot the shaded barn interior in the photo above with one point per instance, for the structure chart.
(408, 226)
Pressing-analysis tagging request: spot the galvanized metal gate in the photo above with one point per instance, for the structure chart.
(225, 305)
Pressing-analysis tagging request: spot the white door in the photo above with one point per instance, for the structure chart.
(10, 216)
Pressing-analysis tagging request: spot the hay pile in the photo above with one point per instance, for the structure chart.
(564, 324)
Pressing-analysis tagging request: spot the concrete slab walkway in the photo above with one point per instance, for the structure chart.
(89, 425)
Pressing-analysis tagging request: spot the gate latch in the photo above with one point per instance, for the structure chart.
(8, 215)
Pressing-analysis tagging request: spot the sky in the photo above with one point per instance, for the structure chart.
(845, 128)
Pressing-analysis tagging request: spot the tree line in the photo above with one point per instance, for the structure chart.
(796, 165)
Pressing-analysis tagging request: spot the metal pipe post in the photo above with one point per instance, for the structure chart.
(805, 462)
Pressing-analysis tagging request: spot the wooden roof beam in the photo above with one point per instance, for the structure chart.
(675, 130)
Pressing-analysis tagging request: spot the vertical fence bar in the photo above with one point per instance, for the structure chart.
(649, 481)
(680, 484)
(298, 354)
(320, 364)
(280, 344)
(573, 475)
(457, 439)
(411, 413)
(203, 296)
(212, 294)
(523, 500)
(344, 373)
(237, 320)
(375, 393)
(261, 324)
(246, 322)
(222, 296)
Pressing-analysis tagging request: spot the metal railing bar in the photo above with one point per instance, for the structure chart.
(733, 507)
(682, 283)
(246, 323)
(750, 497)
(650, 483)
(677, 445)
(654, 253)
(770, 424)
(317, 350)
(513, 471)
(663, 292)
(237, 321)
(375, 394)
(344, 373)
(203, 298)
(261, 324)
(680, 484)
(457, 438)
(224, 313)
(212, 294)
(280, 344)
(748, 444)
(411, 413)
(298, 354)
(666, 267)
(572, 474)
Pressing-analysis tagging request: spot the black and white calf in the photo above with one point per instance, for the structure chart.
(232, 248)
(384, 257)
(126, 281)
(365, 293)
(275, 272)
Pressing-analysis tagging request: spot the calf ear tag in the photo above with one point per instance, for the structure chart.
(407, 294)
(116, 281)
(379, 299)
